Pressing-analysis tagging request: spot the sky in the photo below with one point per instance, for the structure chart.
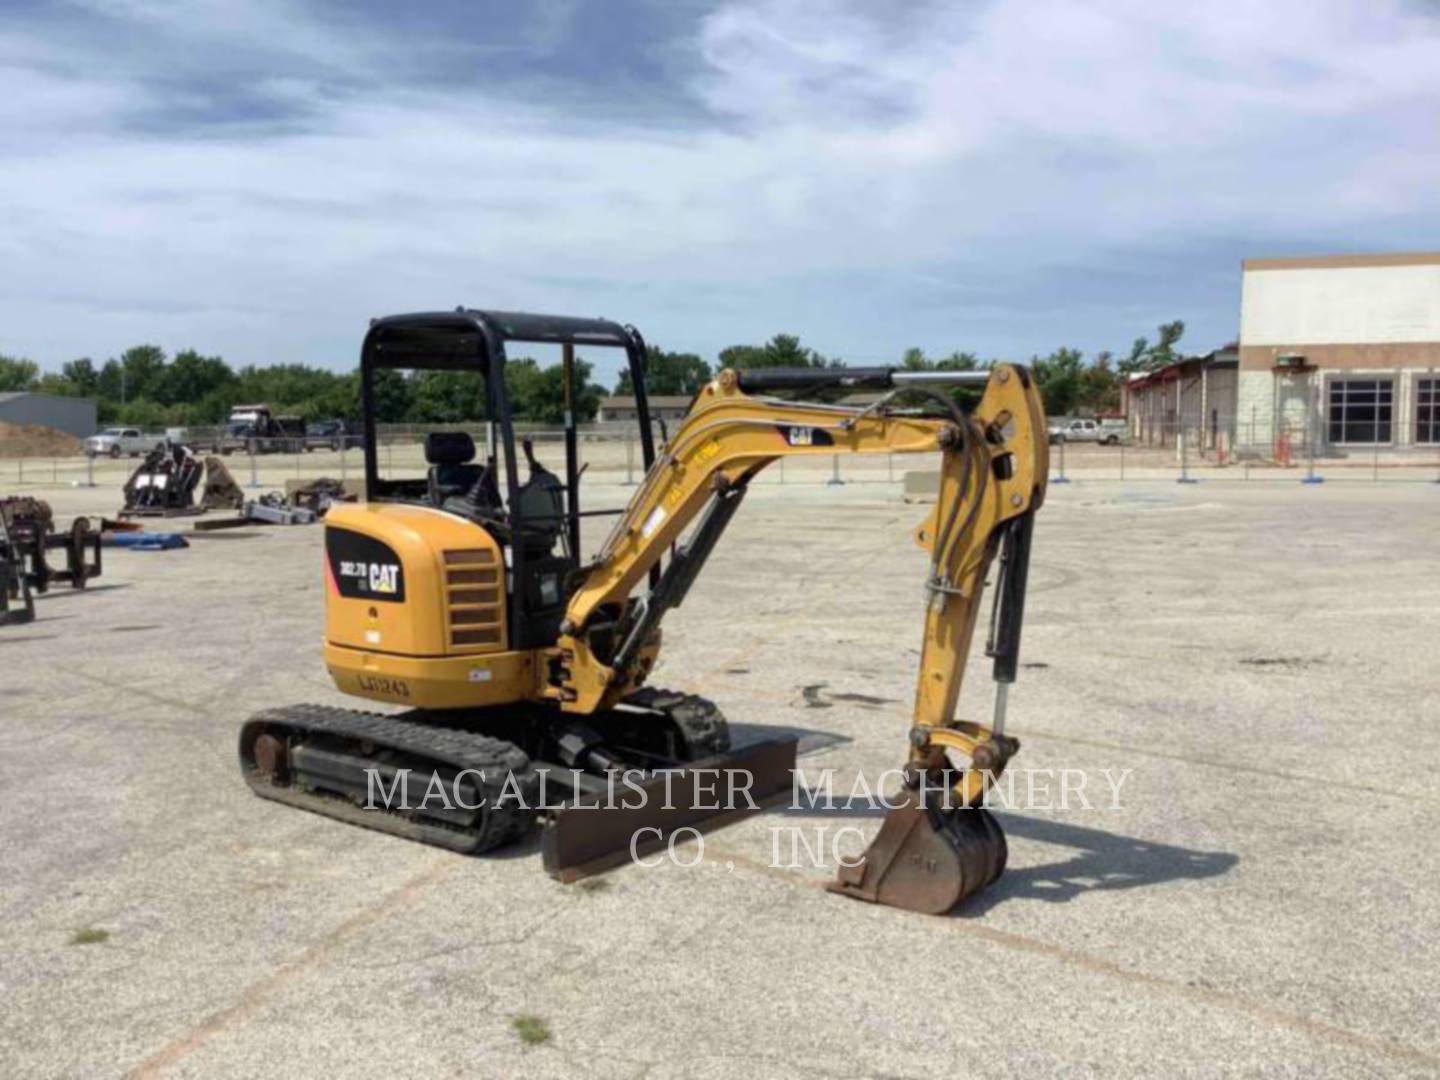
(259, 178)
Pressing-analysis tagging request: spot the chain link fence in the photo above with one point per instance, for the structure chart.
(1246, 448)
(609, 456)
(1219, 449)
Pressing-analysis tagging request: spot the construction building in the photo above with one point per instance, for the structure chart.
(621, 408)
(1195, 395)
(1341, 350)
(74, 416)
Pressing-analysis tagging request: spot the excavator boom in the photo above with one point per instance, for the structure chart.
(941, 844)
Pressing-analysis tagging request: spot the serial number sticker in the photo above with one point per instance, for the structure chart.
(479, 674)
(653, 522)
(380, 684)
(372, 637)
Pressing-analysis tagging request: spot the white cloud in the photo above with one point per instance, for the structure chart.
(847, 169)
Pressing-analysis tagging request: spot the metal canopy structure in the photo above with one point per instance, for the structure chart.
(468, 339)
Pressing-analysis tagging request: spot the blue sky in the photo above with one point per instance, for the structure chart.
(257, 179)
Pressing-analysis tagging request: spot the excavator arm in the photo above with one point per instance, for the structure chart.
(993, 464)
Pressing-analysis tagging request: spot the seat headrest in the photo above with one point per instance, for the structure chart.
(449, 448)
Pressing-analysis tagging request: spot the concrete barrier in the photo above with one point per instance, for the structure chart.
(922, 486)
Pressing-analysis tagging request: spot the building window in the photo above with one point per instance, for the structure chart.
(1427, 410)
(1360, 410)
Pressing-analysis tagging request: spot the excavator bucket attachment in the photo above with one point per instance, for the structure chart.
(926, 860)
(600, 832)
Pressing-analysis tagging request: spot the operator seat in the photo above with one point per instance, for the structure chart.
(453, 472)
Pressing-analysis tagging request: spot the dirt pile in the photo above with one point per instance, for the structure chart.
(35, 440)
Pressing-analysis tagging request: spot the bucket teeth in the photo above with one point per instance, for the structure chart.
(926, 860)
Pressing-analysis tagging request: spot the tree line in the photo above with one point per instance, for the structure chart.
(144, 387)
(1068, 382)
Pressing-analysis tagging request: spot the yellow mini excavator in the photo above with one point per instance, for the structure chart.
(462, 596)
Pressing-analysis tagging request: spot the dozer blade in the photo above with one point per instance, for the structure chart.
(926, 860)
(595, 834)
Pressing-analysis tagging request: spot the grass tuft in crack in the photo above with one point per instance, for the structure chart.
(89, 936)
(532, 1029)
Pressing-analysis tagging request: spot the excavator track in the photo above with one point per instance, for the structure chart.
(433, 778)
(698, 721)
(316, 758)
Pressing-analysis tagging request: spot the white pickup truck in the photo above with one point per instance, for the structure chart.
(1109, 432)
(118, 441)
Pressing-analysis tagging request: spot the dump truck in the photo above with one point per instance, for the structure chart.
(255, 429)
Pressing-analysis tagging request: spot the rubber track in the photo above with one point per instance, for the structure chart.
(702, 725)
(450, 747)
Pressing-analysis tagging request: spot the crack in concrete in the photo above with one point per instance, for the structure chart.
(254, 996)
(1064, 954)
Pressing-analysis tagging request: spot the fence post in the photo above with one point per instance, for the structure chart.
(89, 470)
(834, 471)
(250, 449)
(1122, 455)
(1310, 435)
(1185, 477)
(1250, 453)
(1061, 479)
(629, 460)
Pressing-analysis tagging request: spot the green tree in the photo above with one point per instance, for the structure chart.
(190, 378)
(1147, 357)
(337, 399)
(81, 374)
(782, 350)
(144, 367)
(51, 383)
(538, 394)
(681, 374)
(143, 413)
(17, 373)
(914, 359)
(1100, 385)
(959, 361)
(742, 357)
(1164, 351)
(1060, 377)
(447, 397)
(391, 392)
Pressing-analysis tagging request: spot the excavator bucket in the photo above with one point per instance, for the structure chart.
(596, 833)
(926, 860)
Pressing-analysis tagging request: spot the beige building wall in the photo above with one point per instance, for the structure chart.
(1353, 317)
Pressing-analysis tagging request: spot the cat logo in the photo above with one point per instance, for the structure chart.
(363, 568)
(384, 580)
(800, 436)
